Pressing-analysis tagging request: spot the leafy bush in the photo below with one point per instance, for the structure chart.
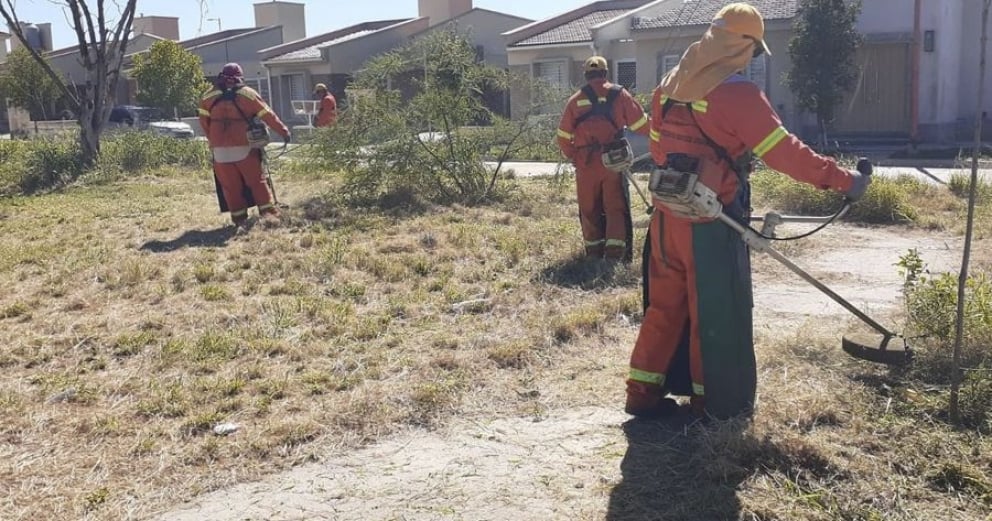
(133, 152)
(887, 200)
(931, 305)
(426, 134)
(30, 166)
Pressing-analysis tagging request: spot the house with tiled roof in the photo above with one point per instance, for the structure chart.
(918, 78)
(554, 49)
(334, 58)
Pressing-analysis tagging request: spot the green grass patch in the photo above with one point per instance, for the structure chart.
(888, 201)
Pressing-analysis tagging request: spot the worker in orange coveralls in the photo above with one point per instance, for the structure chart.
(226, 113)
(328, 113)
(709, 119)
(594, 118)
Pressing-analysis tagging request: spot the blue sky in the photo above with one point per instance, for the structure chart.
(322, 15)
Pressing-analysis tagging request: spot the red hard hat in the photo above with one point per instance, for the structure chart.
(232, 70)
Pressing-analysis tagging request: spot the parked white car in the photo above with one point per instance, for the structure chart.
(149, 118)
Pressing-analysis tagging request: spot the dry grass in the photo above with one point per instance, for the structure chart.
(136, 323)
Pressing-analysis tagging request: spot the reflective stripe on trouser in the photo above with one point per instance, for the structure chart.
(700, 273)
(234, 178)
(602, 205)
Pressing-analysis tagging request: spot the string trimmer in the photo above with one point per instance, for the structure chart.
(684, 194)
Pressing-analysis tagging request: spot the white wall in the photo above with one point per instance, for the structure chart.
(940, 71)
(970, 31)
(888, 16)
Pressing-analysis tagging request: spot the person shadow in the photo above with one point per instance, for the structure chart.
(192, 239)
(682, 469)
(663, 479)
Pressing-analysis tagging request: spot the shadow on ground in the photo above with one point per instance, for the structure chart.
(192, 239)
(691, 472)
(581, 272)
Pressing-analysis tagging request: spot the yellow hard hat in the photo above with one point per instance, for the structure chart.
(595, 63)
(319, 87)
(743, 19)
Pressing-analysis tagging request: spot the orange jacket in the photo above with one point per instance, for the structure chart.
(328, 113)
(626, 113)
(738, 117)
(225, 126)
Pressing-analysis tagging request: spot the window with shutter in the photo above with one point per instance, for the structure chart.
(667, 63)
(553, 72)
(297, 91)
(627, 75)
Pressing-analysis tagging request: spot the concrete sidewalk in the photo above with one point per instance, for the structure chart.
(931, 175)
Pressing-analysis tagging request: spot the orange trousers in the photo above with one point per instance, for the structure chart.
(234, 178)
(699, 274)
(603, 210)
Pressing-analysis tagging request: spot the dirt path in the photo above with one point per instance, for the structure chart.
(566, 465)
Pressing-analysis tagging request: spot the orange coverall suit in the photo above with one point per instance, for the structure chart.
(603, 207)
(328, 113)
(236, 165)
(699, 272)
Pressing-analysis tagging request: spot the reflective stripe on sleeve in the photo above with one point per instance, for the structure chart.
(655, 135)
(769, 142)
(263, 112)
(640, 123)
(565, 135)
(700, 106)
(211, 94)
(203, 112)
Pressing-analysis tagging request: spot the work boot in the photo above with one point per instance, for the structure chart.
(594, 251)
(615, 253)
(270, 216)
(649, 407)
(240, 224)
(647, 401)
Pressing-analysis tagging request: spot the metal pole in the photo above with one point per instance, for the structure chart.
(765, 247)
(970, 230)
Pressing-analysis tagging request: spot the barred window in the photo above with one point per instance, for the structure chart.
(627, 75)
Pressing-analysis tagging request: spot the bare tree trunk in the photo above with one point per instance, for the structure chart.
(102, 45)
(956, 375)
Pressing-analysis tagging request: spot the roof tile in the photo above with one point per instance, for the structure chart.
(701, 12)
(575, 31)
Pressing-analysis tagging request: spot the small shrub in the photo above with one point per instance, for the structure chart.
(960, 185)
(132, 152)
(885, 202)
(38, 164)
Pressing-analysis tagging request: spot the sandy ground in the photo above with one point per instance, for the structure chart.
(565, 465)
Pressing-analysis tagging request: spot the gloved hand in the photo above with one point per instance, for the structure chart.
(287, 138)
(859, 185)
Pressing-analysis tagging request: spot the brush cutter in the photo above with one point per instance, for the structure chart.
(685, 195)
(649, 208)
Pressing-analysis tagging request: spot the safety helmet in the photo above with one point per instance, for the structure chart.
(595, 63)
(320, 87)
(745, 20)
(232, 70)
(618, 155)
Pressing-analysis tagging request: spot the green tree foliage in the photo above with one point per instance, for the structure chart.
(823, 51)
(29, 86)
(169, 78)
(421, 120)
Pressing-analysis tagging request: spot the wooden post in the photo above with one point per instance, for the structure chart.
(956, 375)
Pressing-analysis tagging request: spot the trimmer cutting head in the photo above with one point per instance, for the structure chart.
(880, 354)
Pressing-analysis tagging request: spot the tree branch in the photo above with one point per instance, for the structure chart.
(10, 16)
